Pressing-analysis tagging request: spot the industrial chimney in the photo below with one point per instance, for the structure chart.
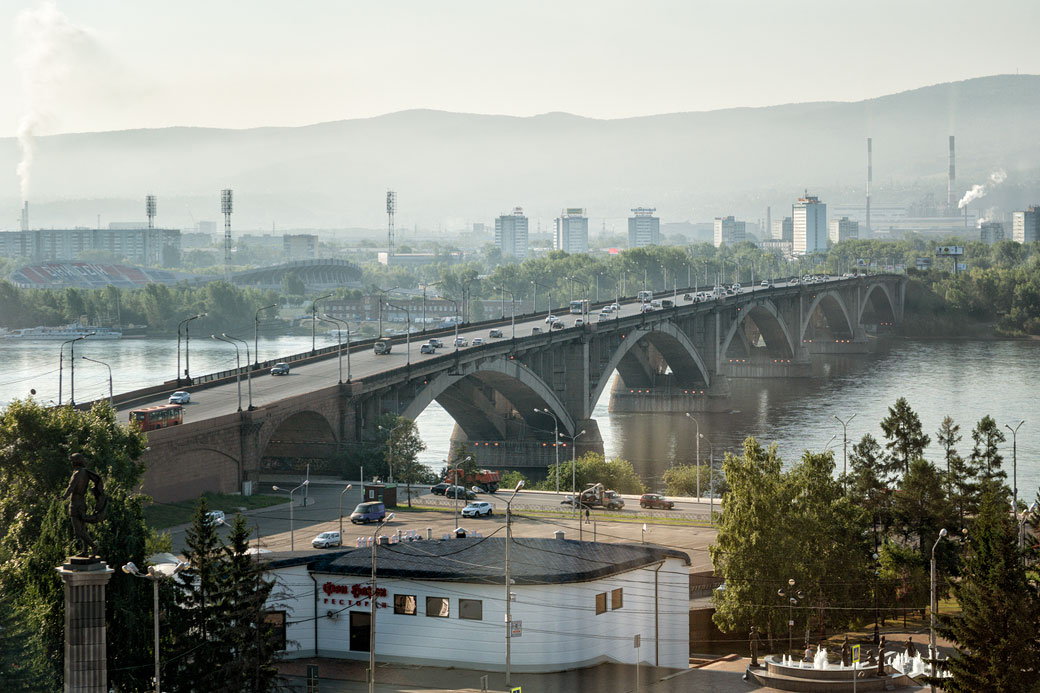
(870, 178)
(25, 216)
(951, 201)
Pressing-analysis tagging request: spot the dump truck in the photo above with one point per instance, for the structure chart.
(482, 478)
(383, 346)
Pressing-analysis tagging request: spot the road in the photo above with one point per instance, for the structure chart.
(224, 399)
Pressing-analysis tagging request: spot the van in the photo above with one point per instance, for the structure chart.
(326, 540)
(644, 296)
(372, 511)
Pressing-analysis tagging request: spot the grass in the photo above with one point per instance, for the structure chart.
(165, 515)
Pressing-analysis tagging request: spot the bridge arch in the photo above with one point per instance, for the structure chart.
(834, 310)
(676, 348)
(764, 313)
(478, 419)
(878, 296)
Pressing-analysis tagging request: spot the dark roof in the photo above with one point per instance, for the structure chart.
(482, 560)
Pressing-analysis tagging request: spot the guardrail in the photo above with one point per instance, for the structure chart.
(448, 503)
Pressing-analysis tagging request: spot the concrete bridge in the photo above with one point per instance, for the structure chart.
(673, 359)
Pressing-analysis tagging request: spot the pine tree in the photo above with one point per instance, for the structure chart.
(868, 484)
(947, 437)
(985, 455)
(996, 631)
(906, 439)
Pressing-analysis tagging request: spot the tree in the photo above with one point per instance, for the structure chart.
(920, 505)
(402, 453)
(681, 480)
(868, 483)
(906, 439)
(593, 468)
(996, 634)
(985, 454)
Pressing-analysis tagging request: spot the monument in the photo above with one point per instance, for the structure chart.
(85, 577)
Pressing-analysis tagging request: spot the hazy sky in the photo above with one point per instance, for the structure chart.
(79, 65)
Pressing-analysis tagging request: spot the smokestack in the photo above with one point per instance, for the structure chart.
(870, 177)
(25, 216)
(950, 200)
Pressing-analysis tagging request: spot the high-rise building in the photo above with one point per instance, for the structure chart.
(643, 228)
(571, 231)
(842, 229)
(991, 232)
(728, 231)
(809, 216)
(783, 229)
(300, 246)
(143, 246)
(511, 234)
(1025, 225)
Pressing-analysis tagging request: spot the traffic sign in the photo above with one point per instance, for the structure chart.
(855, 654)
(515, 689)
(516, 629)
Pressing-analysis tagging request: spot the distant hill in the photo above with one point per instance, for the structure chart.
(452, 168)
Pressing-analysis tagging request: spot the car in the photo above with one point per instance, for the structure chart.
(215, 516)
(280, 368)
(459, 492)
(326, 540)
(579, 322)
(550, 318)
(557, 325)
(614, 307)
(439, 489)
(656, 303)
(477, 341)
(480, 508)
(687, 297)
(603, 317)
(436, 343)
(427, 349)
(461, 341)
(667, 303)
(180, 397)
(765, 282)
(536, 330)
(655, 500)
(495, 334)
(372, 511)
(646, 308)
(569, 500)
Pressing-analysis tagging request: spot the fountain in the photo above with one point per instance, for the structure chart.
(784, 672)
(820, 660)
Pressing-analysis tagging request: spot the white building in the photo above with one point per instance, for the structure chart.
(1025, 225)
(729, 231)
(511, 234)
(576, 604)
(809, 217)
(842, 229)
(783, 229)
(991, 232)
(643, 228)
(571, 231)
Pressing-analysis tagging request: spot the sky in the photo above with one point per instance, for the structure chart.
(93, 65)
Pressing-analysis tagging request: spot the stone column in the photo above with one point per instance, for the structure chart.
(86, 661)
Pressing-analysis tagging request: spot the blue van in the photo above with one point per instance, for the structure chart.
(372, 511)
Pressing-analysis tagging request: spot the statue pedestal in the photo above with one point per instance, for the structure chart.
(86, 661)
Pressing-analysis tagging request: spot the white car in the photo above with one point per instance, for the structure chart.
(579, 322)
(460, 342)
(180, 397)
(551, 319)
(613, 307)
(216, 517)
(477, 508)
(477, 341)
(327, 539)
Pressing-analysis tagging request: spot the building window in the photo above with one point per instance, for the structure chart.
(437, 607)
(471, 609)
(601, 602)
(616, 600)
(275, 624)
(404, 604)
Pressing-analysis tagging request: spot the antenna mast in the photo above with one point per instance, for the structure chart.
(225, 208)
(391, 206)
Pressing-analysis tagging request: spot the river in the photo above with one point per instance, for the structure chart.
(963, 379)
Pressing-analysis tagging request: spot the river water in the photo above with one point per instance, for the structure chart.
(965, 380)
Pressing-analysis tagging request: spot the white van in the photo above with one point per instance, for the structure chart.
(327, 539)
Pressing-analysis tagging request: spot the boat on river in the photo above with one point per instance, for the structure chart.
(63, 332)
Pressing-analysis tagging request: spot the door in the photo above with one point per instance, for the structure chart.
(359, 625)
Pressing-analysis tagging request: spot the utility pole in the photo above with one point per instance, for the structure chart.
(509, 594)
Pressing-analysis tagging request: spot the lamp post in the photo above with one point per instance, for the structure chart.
(238, 368)
(292, 526)
(456, 321)
(792, 599)
(72, 361)
(249, 371)
(509, 594)
(345, 326)
(512, 306)
(556, 429)
(711, 479)
(1014, 458)
(314, 322)
(455, 482)
(187, 346)
(183, 323)
(345, 489)
(110, 399)
(372, 618)
(256, 332)
(876, 575)
(154, 575)
(387, 292)
(698, 439)
(407, 332)
(574, 473)
(548, 291)
(844, 448)
(931, 626)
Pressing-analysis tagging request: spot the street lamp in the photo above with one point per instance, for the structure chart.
(548, 292)
(238, 367)
(877, 574)
(711, 479)
(256, 332)
(249, 371)
(698, 439)
(407, 332)
(155, 575)
(314, 322)
(339, 333)
(512, 306)
(1022, 522)
(556, 429)
(72, 361)
(792, 599)
(844, 447)
(292, 526)
(1014, 458)
(380, 298)
(455, 482)
(372, 618)
(509, 581)
(187, 343)
(931, 627)
(345, 489)
(574, 473)
(110, 401)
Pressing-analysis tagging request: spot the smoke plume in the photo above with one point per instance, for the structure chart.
(53, 55)
(980, 191)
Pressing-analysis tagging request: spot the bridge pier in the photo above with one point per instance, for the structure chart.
(669, 397)
(840, 347)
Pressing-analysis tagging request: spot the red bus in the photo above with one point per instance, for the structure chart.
(162, 416)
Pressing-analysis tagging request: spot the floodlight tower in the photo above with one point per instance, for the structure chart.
(391, 205)
(225, 208)
(149, 208)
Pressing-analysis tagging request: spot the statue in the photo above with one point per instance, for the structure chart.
(881, 657)
(77, 491)
(871, 659)
(754, 643)
(911, 649)
(846, 653)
